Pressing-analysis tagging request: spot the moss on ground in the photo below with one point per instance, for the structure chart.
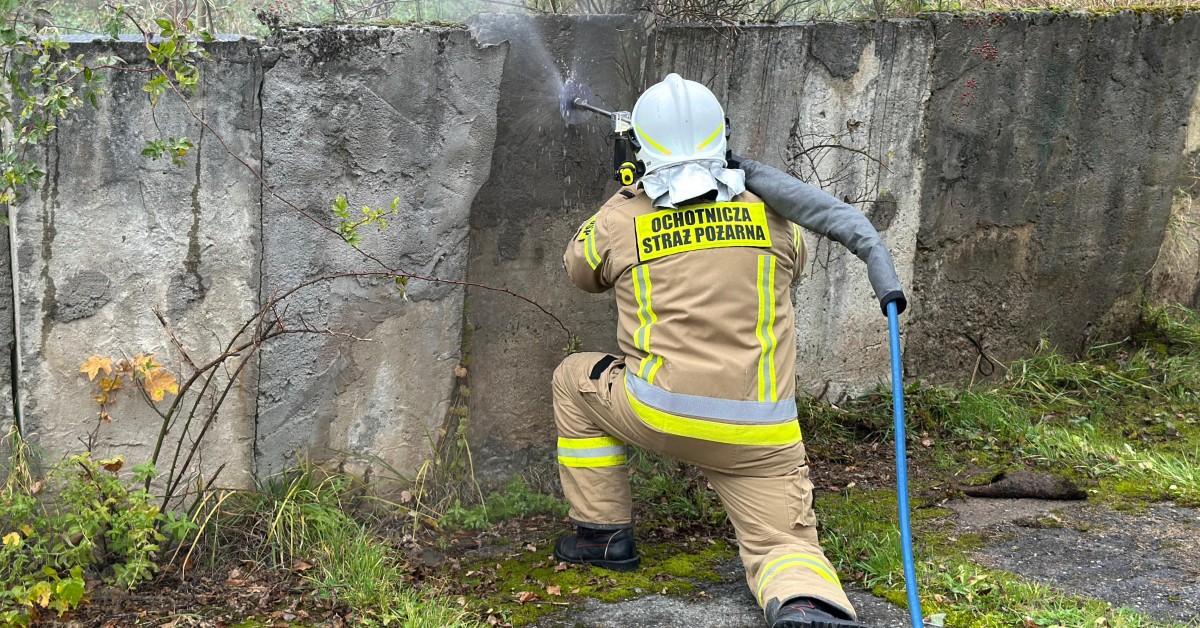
(673, 567)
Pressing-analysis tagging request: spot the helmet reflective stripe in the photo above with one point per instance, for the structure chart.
(711, 137)
(646, 139)
(678, 121)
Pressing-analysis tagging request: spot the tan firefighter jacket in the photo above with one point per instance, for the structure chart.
(705, 316)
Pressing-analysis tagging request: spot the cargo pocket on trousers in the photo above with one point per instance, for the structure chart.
(799, 492)
(599, 380)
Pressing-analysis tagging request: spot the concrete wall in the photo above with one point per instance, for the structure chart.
(112, 235)
(791, 91)
(547, 178)
(1045, 202)
(1033, 175)
(375, 115)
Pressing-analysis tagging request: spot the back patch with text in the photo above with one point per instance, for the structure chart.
(696, 227)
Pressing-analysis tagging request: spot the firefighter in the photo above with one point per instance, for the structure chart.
(701, 268)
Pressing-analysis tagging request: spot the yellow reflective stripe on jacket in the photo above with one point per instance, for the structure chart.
(586, 228)
(797, 240)
(789, 561)
(589, 246)
(650, 366)
(765, 329)
(766, 434)
(642, 287)
(602, 451)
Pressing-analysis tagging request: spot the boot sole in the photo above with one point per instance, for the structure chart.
(628, 564)
(819, 623)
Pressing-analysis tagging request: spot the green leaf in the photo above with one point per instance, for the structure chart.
(144, 471)
(71, 590)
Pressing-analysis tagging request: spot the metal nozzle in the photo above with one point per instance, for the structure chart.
(580, 103)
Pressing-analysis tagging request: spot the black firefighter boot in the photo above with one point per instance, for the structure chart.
(610, 549)
(803, 612)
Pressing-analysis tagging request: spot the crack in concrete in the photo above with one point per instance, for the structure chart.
(260, 76)
(49, 234)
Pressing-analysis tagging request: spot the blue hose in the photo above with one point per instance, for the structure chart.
(910, 569)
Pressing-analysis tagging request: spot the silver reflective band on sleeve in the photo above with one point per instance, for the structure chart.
(592, 452)
(710, 407)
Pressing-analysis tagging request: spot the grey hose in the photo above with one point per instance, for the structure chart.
(815, 210)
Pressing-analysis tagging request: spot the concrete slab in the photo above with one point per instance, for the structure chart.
(374, 114)
(112, 235)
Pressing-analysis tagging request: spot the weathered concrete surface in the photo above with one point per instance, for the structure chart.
(1176, 274)
(546, 179)
(1033, 174)
(7, 333)
(112, 235)
(791, 92)
(1053, 150)
(374, 114)
(727, 604)
(1146, 562)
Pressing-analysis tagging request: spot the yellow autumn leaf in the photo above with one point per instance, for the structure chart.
(12, 539)
(41, 592)
(145, 362)
(159, 382)
(110, 383)
(94, 365)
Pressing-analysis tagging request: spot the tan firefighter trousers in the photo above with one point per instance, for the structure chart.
(765, 489)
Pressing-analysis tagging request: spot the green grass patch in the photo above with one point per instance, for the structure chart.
(516, 499)
(302, 520)
(1125, 418)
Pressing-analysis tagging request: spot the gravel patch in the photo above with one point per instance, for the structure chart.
(1149, 561)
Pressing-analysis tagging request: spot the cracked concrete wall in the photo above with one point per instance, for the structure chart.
(375, 114)
(8, 337)
(112, 235)
(794, 92)
(1032, 174)
(1054, 145)
(1175, 277)
(546, 179)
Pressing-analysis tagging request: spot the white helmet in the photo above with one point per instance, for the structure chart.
(678, 121)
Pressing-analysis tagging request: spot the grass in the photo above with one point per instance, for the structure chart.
(1124, 420)
(1121, 419)
(302, 520)
(515, 499)
(1127, 412)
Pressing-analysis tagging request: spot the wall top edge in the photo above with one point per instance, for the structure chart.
(131, 38)
(1175, 13)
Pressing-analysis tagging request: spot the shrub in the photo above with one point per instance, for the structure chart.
(96, 522)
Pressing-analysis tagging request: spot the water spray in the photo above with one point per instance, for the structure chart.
(576, 103)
